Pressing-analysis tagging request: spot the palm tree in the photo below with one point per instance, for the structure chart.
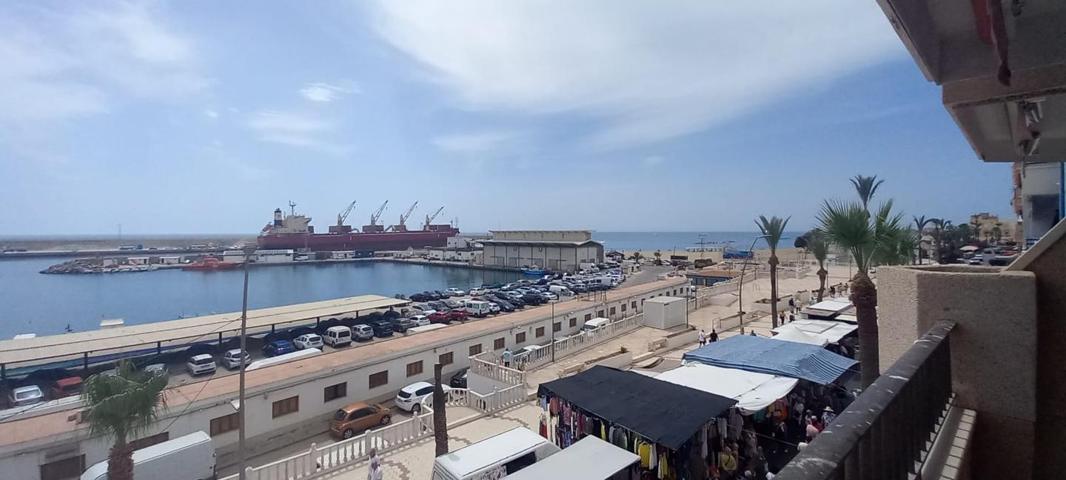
(772, 228)
(819, 247)
(658, 257)
(119, 406)
(920, 223)
(866, 187)
(636, 256)
(939, 226)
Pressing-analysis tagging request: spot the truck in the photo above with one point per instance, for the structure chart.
(494, 457)
(189, 457)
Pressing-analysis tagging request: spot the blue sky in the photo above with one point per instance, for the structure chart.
(203, 116)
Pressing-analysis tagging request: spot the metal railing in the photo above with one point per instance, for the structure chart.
(319, 461)
(487, 365)
(579, 341)
(883, 433)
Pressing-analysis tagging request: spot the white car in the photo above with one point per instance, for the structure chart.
(28, 395)
(455, 292)
(409, 399)
(232, 358)
(308, 340)
(494, 307)
(200, 364)
(421, 320)
(157, 369)
(477, 291)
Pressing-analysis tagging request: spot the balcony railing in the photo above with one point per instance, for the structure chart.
(884, 432)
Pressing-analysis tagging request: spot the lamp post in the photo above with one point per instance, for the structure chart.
(740, 288)
(242, 461)
(552, 302)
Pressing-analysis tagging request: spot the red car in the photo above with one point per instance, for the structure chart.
(439, 317)
(456, 315)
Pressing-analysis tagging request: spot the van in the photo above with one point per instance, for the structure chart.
(477, 308)
(560, 290)
(339, 336)
(595, 323)
(494, 457)
(189, 457)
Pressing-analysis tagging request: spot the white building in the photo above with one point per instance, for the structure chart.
(454, 254)
(273, 256)
(556, 250)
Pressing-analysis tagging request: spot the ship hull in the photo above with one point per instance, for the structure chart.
(362, 242)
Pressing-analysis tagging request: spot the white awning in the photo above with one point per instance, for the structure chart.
(753, 391)
(829, 330)
(799, 336)
(589, 458)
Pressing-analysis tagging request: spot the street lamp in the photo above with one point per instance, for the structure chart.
(552, 302)
(241, 459)
(740, 287)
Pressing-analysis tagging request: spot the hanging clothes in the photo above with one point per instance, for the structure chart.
(654, 457)
(644, 450)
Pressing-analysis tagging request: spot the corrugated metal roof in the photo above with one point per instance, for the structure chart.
(776, 357)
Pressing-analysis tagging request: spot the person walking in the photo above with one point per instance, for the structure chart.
(507, 357)
(792, 304)
(714, 336)
(703, 338)
(781, 318)
(374, 471)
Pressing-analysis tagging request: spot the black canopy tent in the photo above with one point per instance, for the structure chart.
(662, 412)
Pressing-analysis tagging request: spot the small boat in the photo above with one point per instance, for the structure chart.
(210, 264)
(533, 271)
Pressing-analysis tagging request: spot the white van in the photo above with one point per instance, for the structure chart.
(595, 323)
(338, 336)
(477, 308)
(189, 457)
(505, 454)
(560, 290)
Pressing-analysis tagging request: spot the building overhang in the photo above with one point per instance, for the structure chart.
(1002, 67)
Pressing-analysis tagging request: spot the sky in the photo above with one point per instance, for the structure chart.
(613, 115)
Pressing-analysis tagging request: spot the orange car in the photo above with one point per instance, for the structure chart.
(357, 417)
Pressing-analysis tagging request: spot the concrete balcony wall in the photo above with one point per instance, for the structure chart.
(993, 349)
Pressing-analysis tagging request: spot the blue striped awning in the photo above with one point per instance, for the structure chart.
(775, 357)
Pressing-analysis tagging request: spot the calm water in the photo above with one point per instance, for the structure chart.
(45, 304)
(668, 241)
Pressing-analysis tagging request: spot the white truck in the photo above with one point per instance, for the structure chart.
(190, 457)
(494, 457)
(477, 308)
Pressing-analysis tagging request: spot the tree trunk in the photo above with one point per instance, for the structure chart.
(440, 418)
(120, 460)
(823, 276)
(773, 288)
(864, 296)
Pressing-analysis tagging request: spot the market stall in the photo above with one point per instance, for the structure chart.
(753, 391)
(774, 357)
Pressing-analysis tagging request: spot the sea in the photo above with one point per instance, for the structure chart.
(31, 302)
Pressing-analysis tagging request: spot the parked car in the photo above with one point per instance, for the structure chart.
(494, 307)
(308, 340)
(337, 336)
(362, 333)
(325, 325)
(157, 369)
(232, 359)
(442, 294)
(66, 387)
(278, 347)
(356, 417)
(453, 304)
(409, 398)
(382, 329)
(504, 305)
(455, 292)
(419, 297)
(26, 395)
(438, 305)
(200, 364)
(478, 291)
(439, 317)
(400, 325)
(456, 316)
(459, 379)
(532, 299)
(420, 320)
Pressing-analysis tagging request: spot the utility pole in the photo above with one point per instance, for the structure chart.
(242, 461)
(553, 330)
(740, 288)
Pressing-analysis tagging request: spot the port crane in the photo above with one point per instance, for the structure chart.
(374, 217)
(402, 226)
(340, 227)
(430, 218)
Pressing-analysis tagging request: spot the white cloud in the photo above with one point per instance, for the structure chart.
(470, 143)
(645, 72)
(295, 129)
(78, 61)
(211, 113)
(324, 92)
(653, 160)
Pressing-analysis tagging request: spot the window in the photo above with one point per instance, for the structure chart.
(520, 337)
(226, 423)
(286, 406)
(557, 326)
(573, 322)
(623, 307)
(634, 304)
(62, 469)
(540, 332)
(498, 344)
(149, 441)
(334, 392)
(379, 379)
(446, 358)
(475, 349)
(588, 316)
(599, 313)
(612, 310)
(414, 368)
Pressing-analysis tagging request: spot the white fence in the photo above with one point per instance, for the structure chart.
(578, 341)
(318, 461)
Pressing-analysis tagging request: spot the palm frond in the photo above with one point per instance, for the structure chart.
(866, 187)
(124, 403)
(772, 228)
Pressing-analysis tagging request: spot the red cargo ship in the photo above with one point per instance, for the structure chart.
(295, 232)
